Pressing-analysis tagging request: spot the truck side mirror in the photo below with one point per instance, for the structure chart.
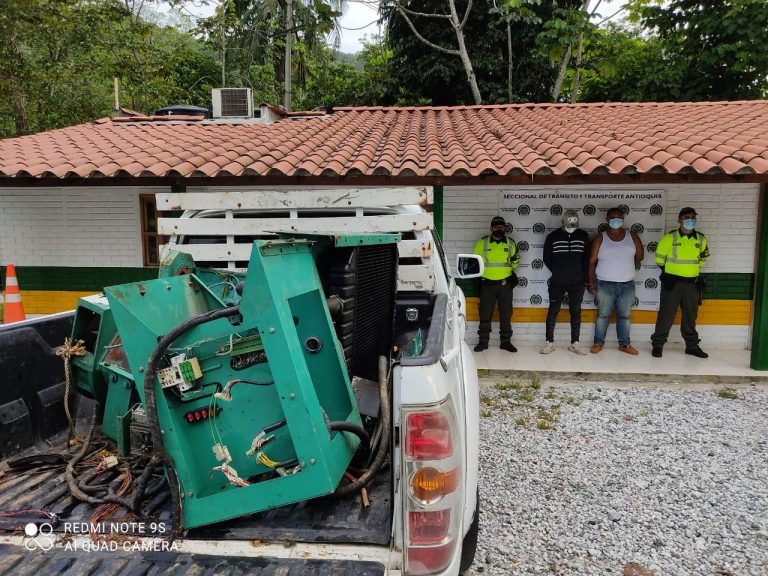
(469, 266)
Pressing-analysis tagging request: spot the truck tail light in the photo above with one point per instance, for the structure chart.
(433, 476)
(429, 483)
(428, 527)
(428, 436)
(431, 559)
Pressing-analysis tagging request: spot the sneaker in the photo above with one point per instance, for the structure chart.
(696, 351)
(508, 346)
(576, 349)
(596, 348)
(629, 349)
(481, 346)
(549, 347)
(656, 352)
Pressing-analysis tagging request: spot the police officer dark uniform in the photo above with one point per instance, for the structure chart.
(681, 253)
(501, 258)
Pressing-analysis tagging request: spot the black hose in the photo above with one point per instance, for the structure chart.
(344, 426)
(275, 426)
(160, 455)
(386, 425)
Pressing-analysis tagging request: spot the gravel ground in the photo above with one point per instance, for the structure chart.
(587, 480)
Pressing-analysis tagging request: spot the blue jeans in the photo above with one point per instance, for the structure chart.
(612, 296)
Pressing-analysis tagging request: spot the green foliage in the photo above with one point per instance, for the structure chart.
(682, 50)
(718, 46)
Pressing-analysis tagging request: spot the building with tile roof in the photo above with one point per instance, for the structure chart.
(77, 207)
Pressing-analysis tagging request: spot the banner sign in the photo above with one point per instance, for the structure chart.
(532, 214)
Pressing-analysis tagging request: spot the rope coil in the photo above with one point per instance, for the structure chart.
(66, 352)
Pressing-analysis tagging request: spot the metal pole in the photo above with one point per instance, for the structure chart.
(759, 358)
(288, 43)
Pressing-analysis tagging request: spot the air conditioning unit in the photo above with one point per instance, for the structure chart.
(232, 103)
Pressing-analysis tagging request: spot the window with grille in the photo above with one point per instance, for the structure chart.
(150, 239)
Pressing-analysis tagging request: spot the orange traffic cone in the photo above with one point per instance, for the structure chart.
(13, 310)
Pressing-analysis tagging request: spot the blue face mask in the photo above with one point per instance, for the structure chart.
(689, 224)
(616, 223)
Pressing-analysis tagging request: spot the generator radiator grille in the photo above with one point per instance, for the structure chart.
(367, 280)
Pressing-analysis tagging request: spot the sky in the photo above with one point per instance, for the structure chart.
(360, 18)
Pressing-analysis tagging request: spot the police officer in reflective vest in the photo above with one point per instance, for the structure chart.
(501, 258)
(680, 254)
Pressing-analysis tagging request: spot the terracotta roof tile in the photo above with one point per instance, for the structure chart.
(541, 139)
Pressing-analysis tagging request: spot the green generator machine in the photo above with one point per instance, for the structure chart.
(241, 384)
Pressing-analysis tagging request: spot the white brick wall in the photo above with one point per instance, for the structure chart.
(84, 226)
(727, 215)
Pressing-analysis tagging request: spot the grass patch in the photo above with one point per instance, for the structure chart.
(507, 386)
(571, 401)
(727, 393)
(522, 421)
(535, 382)
(527, 395)
(544, 425)
(550, 395)
(485, 413)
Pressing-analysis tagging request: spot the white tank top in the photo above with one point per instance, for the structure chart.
(616, 260)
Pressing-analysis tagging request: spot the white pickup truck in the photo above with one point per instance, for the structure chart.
(423, 515)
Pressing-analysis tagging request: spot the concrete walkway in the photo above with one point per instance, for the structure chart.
(723, 366)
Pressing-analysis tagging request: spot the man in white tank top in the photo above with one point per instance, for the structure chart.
(615, 256)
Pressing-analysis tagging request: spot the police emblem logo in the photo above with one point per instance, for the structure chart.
(565, 299)
(636, 302)
(539, 228)
(656, 210)
(536, 299)
(589, 210)
(522, 281)
(602, 228)
(537, 264)
(652, 246)
(651, 283)
(624, 208)
(638, 228)
(523, 209)
(523, 246)
(556, 210)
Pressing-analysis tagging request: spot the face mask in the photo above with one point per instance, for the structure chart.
(498, 234)
(689, 224)
(569, 229)
(616, 223)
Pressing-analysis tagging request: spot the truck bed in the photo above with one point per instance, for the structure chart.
(322, 520)
(31, 408)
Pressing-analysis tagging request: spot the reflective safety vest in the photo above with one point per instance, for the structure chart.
(682, 255)
(500, 258)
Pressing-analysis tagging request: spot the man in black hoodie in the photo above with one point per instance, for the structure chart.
(566, 254)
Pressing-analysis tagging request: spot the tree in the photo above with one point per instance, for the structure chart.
(457, 23)
(719, 47)
(429, 76)
(623, 64)
(59, 66)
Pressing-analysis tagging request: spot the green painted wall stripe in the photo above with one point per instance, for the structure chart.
(729, 286)
(726, 286)
(76, 278)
